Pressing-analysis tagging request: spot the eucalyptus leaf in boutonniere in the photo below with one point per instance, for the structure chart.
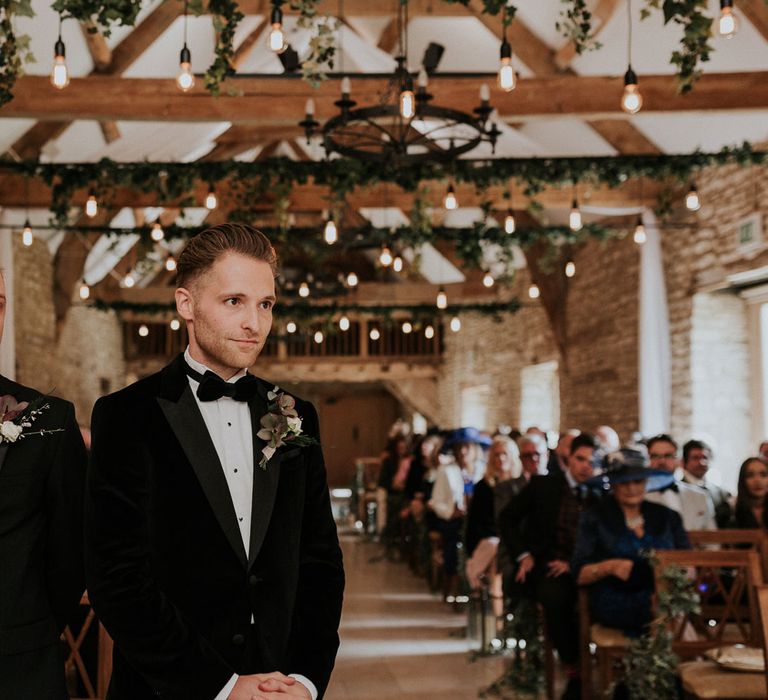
(17, 416)
(281, 425)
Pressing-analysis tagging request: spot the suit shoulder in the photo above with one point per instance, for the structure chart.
(141, 390)
(29, 394)
(659, 511)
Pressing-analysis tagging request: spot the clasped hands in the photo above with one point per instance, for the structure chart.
(268, 686)
(555, 568)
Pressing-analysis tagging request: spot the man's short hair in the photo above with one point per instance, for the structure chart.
(202, 251)
(663, 437)
(694, 445)
(583, 440)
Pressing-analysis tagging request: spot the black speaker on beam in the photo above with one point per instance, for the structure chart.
(432, 55)
(290, 60)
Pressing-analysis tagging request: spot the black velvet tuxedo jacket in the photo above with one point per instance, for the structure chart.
(42, 482)
(166, 569)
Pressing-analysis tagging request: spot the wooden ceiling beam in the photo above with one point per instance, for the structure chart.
(624, 136)
(102, 59)
(756, 11)
(314, 198)
(389, 38)
(602, 13)
(247, 45)
(281, 101)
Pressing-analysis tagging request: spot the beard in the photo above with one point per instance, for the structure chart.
(222, 352)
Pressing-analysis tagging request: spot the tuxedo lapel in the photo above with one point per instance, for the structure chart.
(264, 480)
(188, 425)
(3, 454)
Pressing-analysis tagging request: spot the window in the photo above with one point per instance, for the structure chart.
(474, 406)
(540, 396)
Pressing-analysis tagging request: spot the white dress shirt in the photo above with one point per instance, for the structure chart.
(229, 425)
(692, 503)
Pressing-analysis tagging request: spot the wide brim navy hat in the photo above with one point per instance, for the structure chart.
(471, 435)
(630, 465)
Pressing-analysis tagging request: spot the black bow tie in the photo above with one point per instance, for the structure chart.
(213, 387)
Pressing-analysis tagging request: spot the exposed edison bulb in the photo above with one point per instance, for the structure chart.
(507, 77)
(27, 237)
(170, 263)
(129, 280)
(429, 332)
(85, 291)
(319, 337)
(276, 38)
(143, 330)
(397, 264)
(631, 99)
(157, 232)
(728, 25)
(91, 206)
(509, 222)
(175, 324)
(331, 233)
(344, 323)
(59, 74)
(442, 299)
(407, 104)
(533, 291)
(574, 219)
(290, 327)
(450, 202)
(352, 280)
(407, 327)
(640, 235)
(375, 334)
(185, 79)
(488, 280)
(304, 290)
(692, 201)
(385, 258)
(211, 200)
(570, 269)
(455, 324)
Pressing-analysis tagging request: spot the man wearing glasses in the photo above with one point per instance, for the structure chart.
(691, 502)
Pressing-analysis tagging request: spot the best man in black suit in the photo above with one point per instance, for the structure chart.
(214, 577)
(539, 529)
(42, 480)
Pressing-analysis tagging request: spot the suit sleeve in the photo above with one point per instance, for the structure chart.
(314, 632)
(586, 548)
(65, 489)
(150, 632)
(512, 521)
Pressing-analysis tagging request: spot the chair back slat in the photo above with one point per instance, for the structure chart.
(756, 539)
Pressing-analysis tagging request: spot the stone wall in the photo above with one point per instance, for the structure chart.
(85, 361)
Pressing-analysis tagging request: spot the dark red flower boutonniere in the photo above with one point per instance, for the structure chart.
(18, 416)
(281, 426)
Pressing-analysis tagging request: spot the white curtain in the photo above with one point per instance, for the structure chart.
(8, 344)
(655, 381)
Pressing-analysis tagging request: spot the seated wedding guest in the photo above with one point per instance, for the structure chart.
(691, 502)
(532, 450)
(763, 450)
(696, 456)
(752, 497)
(452, 492)
(613, 537)
(392, 478)
(539, 529)
(558, 457)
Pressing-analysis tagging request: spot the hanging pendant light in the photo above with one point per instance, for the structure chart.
(185, 78)
(574, 218)
(640, 236)
(352, 280)
(60, 73)
(509, 222)
(442, 299)
(507, 77)
(170, 263)
(84, 291)
(276, 38)
(631, 100)
(570, 269)
(534, 292)
(344, 323)
(303, 290)
(175, 324)
(692, 200)
(727, 25)
(290, 327)
(385, 257)
(488, 280)
(450, 202)
(330, 233)
(91, 206)
(211, 200)
(157, 232)
(27, 237)
(455, 324)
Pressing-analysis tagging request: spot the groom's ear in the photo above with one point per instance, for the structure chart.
(184, 304)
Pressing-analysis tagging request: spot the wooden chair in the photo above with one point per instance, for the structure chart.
(95, 681)
(723, 577)
(756, 539)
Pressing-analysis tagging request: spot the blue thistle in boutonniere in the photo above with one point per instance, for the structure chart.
(280, 426)
(17, 416)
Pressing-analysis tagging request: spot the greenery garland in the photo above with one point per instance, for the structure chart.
(574, 23)
(304, 312)
(247, 182)
(650, 664)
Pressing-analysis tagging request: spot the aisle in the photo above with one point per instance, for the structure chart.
(396, 641)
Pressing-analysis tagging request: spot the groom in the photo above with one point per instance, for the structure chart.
(217, 578)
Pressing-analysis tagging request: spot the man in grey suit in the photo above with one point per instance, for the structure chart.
(696, 456)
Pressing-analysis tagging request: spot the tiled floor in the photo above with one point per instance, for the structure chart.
(399, 641)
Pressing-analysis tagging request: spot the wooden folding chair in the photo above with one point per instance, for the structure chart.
(756, 539)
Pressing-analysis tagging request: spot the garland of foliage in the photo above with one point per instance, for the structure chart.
(524, 674)
(304, 312)
(574, 23)
(247, 182)
(650, 664)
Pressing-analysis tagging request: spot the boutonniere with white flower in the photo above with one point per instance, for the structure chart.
(281, 425)
(17, 416)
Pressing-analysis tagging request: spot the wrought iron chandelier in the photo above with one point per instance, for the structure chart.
(404, 128)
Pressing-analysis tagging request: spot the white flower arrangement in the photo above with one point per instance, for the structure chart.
(17, 416)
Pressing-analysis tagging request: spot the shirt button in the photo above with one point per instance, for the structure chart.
(241, 520)
(229, 424)
(238, 640)
(235, 470)
(255, 580)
